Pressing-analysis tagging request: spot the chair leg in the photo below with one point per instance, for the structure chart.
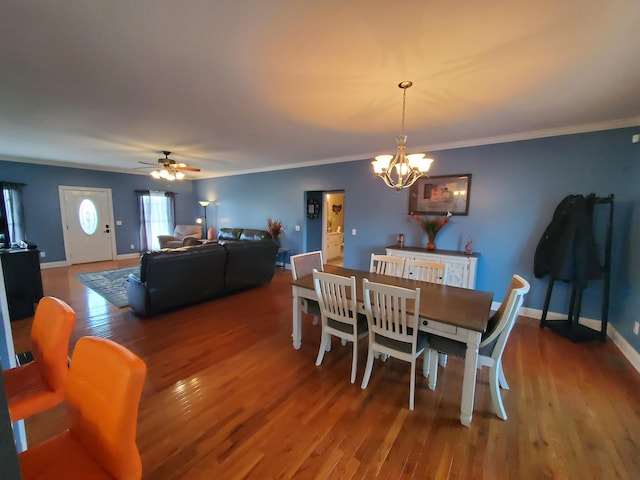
(412, 389)
(367, 371)
(433, 371)
(502, 380)
(496, 398)
(325, 345)
(426, 363)
(443, 360)
(354, 361)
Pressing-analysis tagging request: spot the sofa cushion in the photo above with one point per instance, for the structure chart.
(253, 235)
(229, 233)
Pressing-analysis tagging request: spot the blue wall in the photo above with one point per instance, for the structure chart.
(515, 189)
(514, 192)
(43, 221)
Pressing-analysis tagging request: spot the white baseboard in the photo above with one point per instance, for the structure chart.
(618, 340)
(63, 263)
(127, 256)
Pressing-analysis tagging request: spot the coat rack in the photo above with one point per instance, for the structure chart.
(548, 260)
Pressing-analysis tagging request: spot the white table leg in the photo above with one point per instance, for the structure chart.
(469, 379)
(297, 319)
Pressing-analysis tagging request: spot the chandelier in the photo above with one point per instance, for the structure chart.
(401, 170)
(167, 172)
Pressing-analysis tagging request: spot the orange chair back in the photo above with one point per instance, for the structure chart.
(102, 397)
(50, 334)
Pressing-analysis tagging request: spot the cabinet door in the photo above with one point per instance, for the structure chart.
(457, 272)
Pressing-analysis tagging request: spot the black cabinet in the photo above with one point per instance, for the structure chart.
(22, 280)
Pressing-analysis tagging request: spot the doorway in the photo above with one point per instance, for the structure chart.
(333, 228)
(87, 224)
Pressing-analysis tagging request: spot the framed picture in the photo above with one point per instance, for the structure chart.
(439, 195)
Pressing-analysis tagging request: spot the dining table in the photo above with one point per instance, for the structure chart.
(458, 313)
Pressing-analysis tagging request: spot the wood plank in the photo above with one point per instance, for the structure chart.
(226, 396)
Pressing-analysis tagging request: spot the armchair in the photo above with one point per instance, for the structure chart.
(179, 234)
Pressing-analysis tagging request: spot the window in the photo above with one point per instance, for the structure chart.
(88, 216)
(11, 217)
(157, 213)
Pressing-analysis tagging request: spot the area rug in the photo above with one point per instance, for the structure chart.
(109, 284)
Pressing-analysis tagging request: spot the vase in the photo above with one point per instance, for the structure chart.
(431, 244)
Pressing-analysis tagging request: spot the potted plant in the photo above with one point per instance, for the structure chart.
(275, 228)
(431, 226)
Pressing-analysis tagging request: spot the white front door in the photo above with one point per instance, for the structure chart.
(87, 223)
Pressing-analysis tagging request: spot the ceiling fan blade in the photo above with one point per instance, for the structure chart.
(189, 169)
(147, 163)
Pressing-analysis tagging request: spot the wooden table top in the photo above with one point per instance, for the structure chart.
(461, 307)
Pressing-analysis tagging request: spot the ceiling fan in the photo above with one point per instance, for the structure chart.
(168, 169)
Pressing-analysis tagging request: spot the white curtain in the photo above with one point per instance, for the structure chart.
(157, 217)
(11, 196)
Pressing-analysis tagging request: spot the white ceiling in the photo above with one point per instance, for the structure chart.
(250, 85)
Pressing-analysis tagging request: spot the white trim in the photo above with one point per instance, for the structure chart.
(127, 256)
(618, 340)
(62, 263)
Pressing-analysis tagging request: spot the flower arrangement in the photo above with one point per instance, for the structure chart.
(275, 227)
(431, 226)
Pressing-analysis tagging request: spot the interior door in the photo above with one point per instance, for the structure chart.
(87, 223)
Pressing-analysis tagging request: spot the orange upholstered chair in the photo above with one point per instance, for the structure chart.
(102, 397)
(39, 385)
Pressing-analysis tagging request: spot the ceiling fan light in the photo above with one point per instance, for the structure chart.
(179, 175)
(155, 174)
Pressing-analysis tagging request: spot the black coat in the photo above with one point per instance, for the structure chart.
(567, 249)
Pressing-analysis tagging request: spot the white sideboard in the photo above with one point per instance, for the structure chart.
(461, 268)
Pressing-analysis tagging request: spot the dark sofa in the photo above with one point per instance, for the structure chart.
(226, 235)
(177, 277)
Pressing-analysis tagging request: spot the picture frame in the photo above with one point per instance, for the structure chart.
(439, 195)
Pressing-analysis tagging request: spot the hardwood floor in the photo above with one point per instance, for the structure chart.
(227, 396)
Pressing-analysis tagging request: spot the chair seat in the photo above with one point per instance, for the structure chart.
(27, 391)
(61, 457)
(363, 327)
(456, 348)
(421, 343)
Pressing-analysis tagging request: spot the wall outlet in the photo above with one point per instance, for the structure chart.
(118, 222)
(353, 231)
(635, 138)
(297, 228)
(133, 247)
(636, 328)
(44, 254)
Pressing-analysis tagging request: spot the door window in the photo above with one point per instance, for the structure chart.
(88, 216)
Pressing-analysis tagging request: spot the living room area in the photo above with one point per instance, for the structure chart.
(176, 134)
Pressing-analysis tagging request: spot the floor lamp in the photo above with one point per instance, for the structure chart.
(204, 204)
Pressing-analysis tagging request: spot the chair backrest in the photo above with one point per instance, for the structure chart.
(50, 333)
(182, 231)
(388, 313)
(387, 265)
(425, 271)
(102, 397)
(336, 297)
(304, 263)
(501, 324)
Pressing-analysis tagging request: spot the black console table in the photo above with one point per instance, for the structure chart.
(22, 280)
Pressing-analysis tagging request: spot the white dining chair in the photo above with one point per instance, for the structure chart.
(393, 330)
(339, 312)
(304, 264)
(492, 344)
(425, 271)
(387, 265)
